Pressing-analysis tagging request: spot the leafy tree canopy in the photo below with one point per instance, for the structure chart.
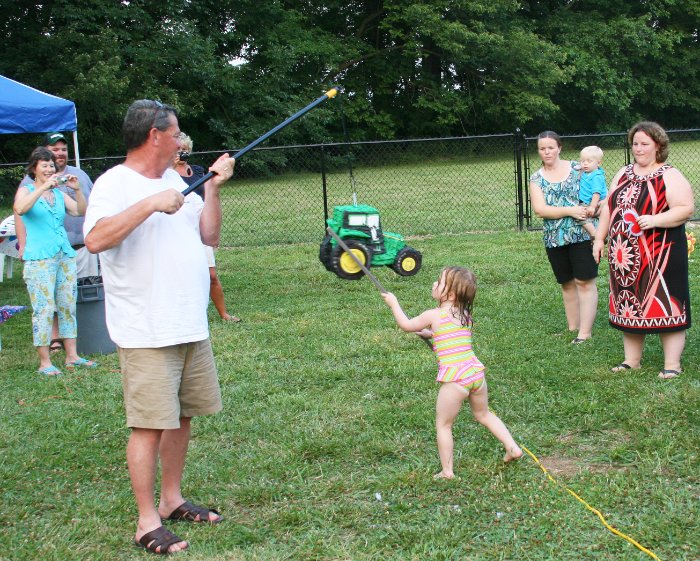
(408, 68)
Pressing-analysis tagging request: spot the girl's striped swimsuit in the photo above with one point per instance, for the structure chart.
(457, 362)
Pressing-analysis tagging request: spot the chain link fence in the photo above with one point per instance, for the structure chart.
(420, 187)
(426, 186)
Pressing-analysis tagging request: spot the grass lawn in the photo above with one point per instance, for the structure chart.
(325, 449)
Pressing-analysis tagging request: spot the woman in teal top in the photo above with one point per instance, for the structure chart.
(49, 259)
(554, 192)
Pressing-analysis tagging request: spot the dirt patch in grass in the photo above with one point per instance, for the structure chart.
(563, 466)
(558, 465)
(612, 435)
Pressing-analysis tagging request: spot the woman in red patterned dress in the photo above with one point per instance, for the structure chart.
(645, 217)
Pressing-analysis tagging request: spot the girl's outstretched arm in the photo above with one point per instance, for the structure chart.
(418, 323)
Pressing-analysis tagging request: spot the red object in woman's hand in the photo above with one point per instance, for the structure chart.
(631, 217)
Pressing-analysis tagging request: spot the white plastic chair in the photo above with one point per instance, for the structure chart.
(8, 246)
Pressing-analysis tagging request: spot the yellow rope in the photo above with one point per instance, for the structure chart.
(589, 507)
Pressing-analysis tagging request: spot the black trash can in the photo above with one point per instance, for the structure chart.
(93, 336)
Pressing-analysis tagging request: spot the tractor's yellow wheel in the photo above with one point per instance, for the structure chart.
(408, 264)
(344, 265)
(349, 265)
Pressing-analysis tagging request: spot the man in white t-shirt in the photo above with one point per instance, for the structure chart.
(149, 237)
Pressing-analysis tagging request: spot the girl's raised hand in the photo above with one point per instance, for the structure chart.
(390, 299)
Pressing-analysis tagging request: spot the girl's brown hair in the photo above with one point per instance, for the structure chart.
(460, 282)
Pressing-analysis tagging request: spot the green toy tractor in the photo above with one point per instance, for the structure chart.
(361, 230)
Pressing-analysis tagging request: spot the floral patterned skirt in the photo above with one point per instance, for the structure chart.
(53, 287)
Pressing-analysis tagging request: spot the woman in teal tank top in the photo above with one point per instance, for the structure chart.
(49, 259)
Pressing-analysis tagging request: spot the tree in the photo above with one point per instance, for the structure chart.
(234, 69)
(103, 55)
(626, 61)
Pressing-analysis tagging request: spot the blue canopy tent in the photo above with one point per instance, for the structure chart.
(24, 109)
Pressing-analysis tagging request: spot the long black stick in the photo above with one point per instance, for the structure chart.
(328, 95)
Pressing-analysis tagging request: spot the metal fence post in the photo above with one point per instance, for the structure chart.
(517, 158)
(325, 186)
(526, 174)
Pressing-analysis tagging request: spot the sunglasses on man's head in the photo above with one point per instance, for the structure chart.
(158, 108)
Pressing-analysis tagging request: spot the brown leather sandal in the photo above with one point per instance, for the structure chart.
(190, 512)
(158, 541)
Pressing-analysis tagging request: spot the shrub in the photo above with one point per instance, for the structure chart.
(9, 180)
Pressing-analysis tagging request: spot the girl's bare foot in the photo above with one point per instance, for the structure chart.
(444, 475)
(513, 453)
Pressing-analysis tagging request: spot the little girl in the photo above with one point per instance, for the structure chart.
(459, 371)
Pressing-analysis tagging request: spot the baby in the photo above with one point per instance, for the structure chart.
(592, 189)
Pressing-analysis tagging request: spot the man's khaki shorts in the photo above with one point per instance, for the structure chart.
(164, 384)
